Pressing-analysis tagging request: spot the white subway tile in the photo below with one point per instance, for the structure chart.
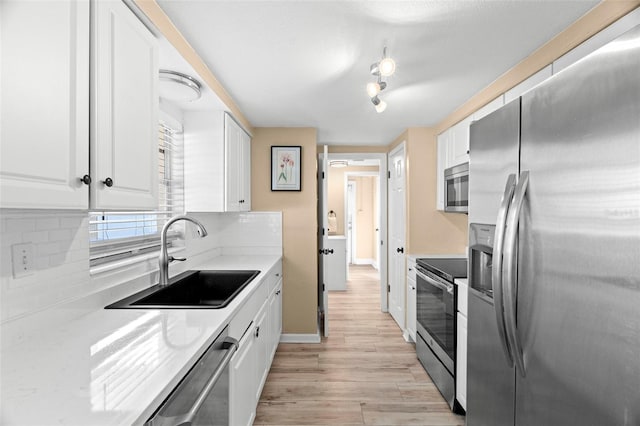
(47, 249)
(47, 223)
(60, 235)
(21, 224)
(35, 237)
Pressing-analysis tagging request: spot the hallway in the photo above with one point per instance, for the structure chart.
(363, 373)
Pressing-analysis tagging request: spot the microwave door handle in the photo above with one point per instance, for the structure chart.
(431, 281)
(510, 269)
(496, 276)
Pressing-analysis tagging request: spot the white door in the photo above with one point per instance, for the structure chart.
(45, 126)
(397, 217)
(124, 113)
(351, 215)
(323, 240)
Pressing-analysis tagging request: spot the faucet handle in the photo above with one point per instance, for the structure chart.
(180, 259)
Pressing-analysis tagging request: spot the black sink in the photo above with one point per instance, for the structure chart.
(191, 290)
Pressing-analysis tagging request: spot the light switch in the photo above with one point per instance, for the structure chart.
(22, 259)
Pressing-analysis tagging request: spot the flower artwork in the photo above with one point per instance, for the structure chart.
(285, 168)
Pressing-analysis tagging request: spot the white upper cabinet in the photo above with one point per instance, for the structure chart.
(44, 136)
(459, 143)
(217, 156)
(238, 167)
(124, 110)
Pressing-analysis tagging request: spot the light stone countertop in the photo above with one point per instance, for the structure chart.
(113, 366)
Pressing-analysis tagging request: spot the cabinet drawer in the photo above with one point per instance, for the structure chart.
(275, 274)
(242, 319)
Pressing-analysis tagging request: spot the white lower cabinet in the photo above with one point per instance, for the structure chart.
(261, 320)
(461, 361)
(411, 298)
(243, 381)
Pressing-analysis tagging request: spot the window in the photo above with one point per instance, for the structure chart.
(118, 235)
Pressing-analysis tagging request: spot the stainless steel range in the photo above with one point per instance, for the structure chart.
(437, 297)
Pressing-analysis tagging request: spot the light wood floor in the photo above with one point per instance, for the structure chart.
(363, 373)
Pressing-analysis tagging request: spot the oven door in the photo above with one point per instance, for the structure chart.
(436, 315)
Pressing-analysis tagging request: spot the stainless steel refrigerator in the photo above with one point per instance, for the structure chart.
(554, 250)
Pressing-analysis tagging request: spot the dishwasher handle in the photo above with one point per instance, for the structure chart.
(231, 346)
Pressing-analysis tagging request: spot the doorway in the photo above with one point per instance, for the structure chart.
(350, 199)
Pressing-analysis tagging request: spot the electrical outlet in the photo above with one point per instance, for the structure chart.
(22, 259)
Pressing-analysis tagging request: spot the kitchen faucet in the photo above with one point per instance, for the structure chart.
(165, 259)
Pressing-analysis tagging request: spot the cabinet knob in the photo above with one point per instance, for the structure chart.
(278, 293)
(108, 182)
(400, 250)
(86, 179)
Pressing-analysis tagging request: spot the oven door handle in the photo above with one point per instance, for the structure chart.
(446, 287)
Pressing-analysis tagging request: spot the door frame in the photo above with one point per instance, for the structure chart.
(382, 206)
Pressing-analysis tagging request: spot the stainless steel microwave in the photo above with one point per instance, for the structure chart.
(456, 189)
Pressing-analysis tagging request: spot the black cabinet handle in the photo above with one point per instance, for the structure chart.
(257, 331)
(86, 179)
(278, 293)
(108, 182)
(400, 250)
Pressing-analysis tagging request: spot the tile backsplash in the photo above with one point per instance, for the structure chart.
(60, 246)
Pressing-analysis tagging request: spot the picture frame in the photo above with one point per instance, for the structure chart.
(286, 168)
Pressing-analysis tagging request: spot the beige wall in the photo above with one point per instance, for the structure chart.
(365, 220)
(299, 223)
(336, 191)
(429, 231)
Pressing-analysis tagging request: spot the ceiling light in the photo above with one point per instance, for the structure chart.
(178, 87)
(374, 88)
(338, 163)
(379, 104)
(387, 67)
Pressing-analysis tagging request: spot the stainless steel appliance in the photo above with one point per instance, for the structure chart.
(554, 287)
(436, 319)
(202, 397)
(456, 188)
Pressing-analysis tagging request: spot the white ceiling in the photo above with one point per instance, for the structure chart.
(306, 63)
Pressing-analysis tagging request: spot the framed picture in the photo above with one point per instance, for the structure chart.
(285, 168)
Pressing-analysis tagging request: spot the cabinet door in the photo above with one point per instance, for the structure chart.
(44, 104)
(443, 147)
(124, 134)
(411, 307)
(459, 143)
(233, 151)
(461, 361)
(263, 360)
(243, 381)
(244, 168)
(275, 319)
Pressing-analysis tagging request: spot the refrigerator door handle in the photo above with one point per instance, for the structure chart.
(496, 278)
(510, 270)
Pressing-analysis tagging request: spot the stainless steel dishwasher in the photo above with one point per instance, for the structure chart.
(202, 396)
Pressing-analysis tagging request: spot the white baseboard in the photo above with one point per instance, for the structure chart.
(300, 338)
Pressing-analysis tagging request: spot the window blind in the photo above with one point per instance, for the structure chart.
(118, 235)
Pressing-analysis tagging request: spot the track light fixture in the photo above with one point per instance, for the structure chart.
(384, 68)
